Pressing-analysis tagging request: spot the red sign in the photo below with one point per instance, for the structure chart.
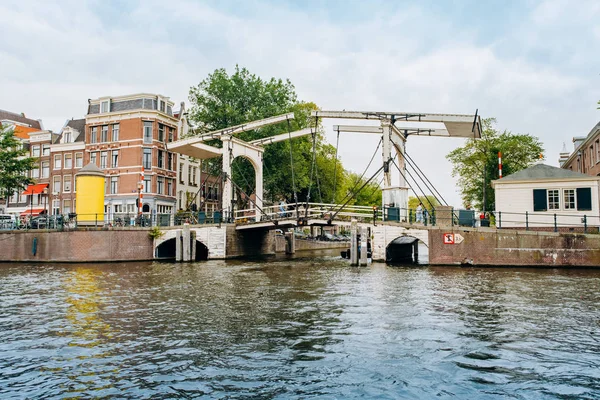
(448, 238)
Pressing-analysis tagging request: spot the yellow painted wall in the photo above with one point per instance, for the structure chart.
(90, 199)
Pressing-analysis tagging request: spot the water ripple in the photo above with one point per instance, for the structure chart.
(297, 329)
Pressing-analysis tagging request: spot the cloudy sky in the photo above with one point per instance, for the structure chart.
(532, 65)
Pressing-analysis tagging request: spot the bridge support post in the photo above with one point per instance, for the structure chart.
(416, 252)
(354, 242)
(193, 245)
(363, 246)
(178, 245)
(186, 242)
(290, 243)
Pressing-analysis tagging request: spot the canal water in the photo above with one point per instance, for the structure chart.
(301, 328)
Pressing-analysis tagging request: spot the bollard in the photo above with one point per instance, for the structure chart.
(585, 224)
(555, 225)
(526, 220)
(499, 219)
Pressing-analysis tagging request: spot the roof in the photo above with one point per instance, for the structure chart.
(543, 172)
(90, 170)
(78, 125)
(22, 132)
(584, 142)
(21, 118)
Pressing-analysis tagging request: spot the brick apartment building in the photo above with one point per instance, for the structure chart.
(586, 155)
(127, 137)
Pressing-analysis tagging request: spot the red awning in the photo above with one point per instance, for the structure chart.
(34, 212)
(35, 189)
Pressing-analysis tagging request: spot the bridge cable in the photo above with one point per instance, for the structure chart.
(312, 170)
(409, 185)
(335, 161)
(414, 165)
(245, 194)
(361, 176)
(358, 191)
(292, 164)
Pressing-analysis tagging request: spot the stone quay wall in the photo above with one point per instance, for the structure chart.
(76, 246)
(514, 248)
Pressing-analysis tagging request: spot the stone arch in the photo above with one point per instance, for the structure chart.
(404, 249)
(166, 249)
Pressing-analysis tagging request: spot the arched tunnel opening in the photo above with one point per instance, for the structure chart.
(168, 250)
(403, 250)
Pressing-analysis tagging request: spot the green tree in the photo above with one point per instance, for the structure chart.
(14, 163)
(476, 163)
(222, 100)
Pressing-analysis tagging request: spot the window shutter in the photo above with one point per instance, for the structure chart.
(540, 201)
(584, 199)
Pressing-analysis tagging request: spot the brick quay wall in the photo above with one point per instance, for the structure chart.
(492, 247)
(76, 246)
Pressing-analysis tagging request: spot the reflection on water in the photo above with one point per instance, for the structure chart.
(297, 328)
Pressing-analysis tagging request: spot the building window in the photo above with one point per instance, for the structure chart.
(161, 133)
(194, 171)
(68, 161)
(78, 160)
(103, 159)
(57, 161)
(147, 184)
(190, 181)
(170, 161)
(56, 185)
(115, 158)
(170, 134)
(67, 183)
(553, 199)
(147, 160)
(45, 149)
(113, 185)
(35, 172)
(55, 207)
(169, 187)
(147, 132)
(159, 184)
(105, 106)
(162, 106)
(216, 193)
(46, 169)
(93, 157)
(35, 151)
(67, 138)
(584, 199)
(66, 206)
(180, 173)
(179, 197)
(115, 133)
(104, 134)
(161, 157)
(569, 199)
(94, 134)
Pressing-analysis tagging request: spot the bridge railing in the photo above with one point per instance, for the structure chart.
(308, 211)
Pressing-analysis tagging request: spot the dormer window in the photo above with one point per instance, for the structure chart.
(68, 138)
(162, 106)
(105, 106)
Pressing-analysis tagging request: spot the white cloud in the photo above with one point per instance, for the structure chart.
(57, 55)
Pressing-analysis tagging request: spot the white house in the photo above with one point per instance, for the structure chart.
(545, 196)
